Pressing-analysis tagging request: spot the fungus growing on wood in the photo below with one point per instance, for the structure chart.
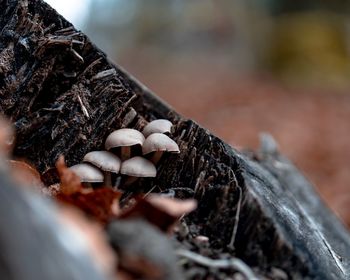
(88, 174)
(137, 167)
(158, 143)
(157, 126)
(106, 161)
(125, 138)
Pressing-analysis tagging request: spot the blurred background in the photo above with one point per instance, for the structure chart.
(240, 68)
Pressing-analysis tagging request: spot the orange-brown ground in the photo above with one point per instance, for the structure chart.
(312, 127)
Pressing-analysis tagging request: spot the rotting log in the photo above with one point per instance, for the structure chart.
(64, 97)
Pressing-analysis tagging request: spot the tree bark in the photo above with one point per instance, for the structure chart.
(64, 97)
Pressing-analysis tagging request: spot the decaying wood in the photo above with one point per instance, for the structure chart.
(65, 97)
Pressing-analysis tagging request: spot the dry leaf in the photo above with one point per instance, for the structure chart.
(173, 206)
(25, 175)
(6, 136)
(70, 182)
(102, 204)
(160, 211)
(99, 204)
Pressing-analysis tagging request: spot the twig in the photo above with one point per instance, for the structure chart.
(103, 74)
(238, 211)
(92, 65)
(233, 263)
(146, 194)
(77, 55)
(83, 108)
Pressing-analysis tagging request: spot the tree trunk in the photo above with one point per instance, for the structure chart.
(64, 97)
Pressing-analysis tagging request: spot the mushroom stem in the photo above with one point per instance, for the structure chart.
(116, 184)
(87, 185)
(130, 180)
(107, 179)
(156, 156)
(125, 153)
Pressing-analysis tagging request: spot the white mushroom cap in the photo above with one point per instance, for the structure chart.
(159, 142)
(138, 167)
(124, 137)
(87, 173)
(157, 126)
(104, 160)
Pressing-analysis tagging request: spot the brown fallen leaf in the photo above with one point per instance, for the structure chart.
(100, 204)
(25, 175)
(160, 211)
(173, 206)
(70, 182)
(6, 136)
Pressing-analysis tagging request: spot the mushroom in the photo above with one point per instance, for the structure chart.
(157, 126)
(88, 173)
(137, 167)
(106, 161)
(159, 143)
(124, 138)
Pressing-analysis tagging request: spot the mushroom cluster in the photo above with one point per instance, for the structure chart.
(130, 153)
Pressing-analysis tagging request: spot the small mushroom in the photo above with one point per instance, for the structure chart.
(106, 161)
(157, 126)
(159, 143)
(88, 173)
(137, 167)
(124, 138)
(201, 239)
